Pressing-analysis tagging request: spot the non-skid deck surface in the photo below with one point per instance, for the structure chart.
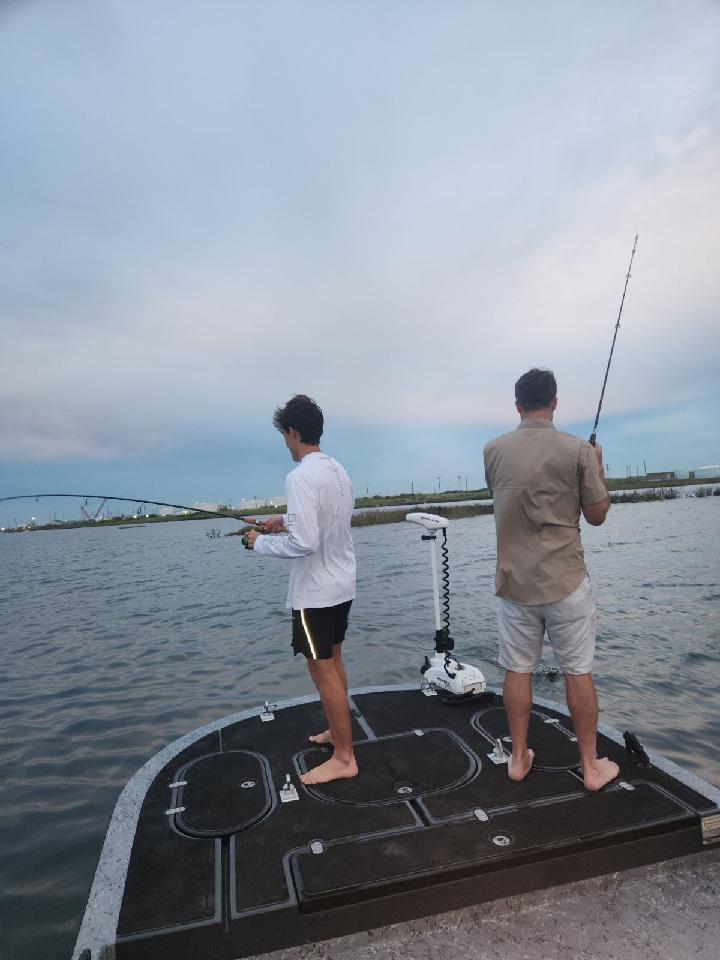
(220, 867)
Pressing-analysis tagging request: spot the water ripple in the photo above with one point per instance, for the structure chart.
(146, 637)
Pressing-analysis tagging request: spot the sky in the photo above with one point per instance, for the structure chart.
(396, 207)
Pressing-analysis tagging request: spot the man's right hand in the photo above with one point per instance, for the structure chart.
(272, 525)
(595, 513)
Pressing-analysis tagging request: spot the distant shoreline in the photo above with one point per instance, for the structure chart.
(642, 491)
(480, 509)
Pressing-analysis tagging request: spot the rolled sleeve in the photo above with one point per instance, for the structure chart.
(303, 537)
(592, 487)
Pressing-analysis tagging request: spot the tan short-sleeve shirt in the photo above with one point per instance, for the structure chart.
(539, 478)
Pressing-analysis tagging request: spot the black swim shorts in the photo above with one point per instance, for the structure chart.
(316, 630)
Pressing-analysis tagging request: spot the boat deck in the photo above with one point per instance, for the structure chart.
(218, 865)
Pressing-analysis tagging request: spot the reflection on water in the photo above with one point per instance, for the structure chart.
(116, 642)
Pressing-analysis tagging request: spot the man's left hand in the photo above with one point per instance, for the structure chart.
(249, 539)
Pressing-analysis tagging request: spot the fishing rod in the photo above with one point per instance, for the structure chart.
(231, 514)
(593, 436)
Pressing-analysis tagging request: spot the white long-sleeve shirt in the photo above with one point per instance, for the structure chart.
(320, 502)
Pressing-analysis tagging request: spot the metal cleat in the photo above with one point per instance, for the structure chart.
(267, 713)
(498, 755)
(288, 792)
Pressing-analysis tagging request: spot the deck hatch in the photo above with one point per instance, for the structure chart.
(225, 793)
(401, 767)
(385, 865)
(553, 741)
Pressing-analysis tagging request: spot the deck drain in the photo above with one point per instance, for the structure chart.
(403, 790)
(502, 840)
(247, 784)
(507, 739)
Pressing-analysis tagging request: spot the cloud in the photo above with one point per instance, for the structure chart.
(397, 215)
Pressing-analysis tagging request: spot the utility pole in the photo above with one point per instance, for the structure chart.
(412, 488)
(438, 480)
(459, 487)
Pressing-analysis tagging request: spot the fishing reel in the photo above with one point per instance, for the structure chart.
(244, 531)
(443, 672)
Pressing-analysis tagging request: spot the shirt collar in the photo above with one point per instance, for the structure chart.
(529, 423)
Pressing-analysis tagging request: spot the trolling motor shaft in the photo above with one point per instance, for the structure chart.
(442, 671)
(443, 641)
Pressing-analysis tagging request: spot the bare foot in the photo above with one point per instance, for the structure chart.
(599, 772)
(518, 771)
(321, 738)
(332, 769)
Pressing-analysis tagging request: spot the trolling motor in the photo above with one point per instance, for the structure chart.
(442, 671)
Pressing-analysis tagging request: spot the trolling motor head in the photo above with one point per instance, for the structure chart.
(443, 672)
(428, 520)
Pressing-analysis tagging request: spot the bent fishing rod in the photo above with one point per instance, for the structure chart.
(593, 435)
(231, 514)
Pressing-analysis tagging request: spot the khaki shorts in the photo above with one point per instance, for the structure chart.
(570, 625)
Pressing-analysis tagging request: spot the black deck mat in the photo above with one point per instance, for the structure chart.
(258, 876)
(553, 749)
(493, 788)
(280, 739)
(383, 865)
(411, 709)
(398, 767)
(170, 880)
(225, 793)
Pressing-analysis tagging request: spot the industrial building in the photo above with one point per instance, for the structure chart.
(699, 473)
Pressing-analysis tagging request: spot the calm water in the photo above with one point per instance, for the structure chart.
(115, 642)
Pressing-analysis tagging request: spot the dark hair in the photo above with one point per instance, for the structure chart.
(536, 389)
(301, 414)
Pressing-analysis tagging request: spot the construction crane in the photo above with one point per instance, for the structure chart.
(92, 516)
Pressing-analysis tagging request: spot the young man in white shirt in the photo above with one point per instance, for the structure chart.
(316, 537)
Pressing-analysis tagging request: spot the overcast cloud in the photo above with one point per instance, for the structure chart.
(397, 207)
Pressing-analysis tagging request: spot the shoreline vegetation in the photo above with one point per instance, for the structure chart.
(458, 512)
(376, 508)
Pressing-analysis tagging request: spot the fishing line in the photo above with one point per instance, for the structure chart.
(617, 327)
(228, 514)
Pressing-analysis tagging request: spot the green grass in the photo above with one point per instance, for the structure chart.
(372, 517)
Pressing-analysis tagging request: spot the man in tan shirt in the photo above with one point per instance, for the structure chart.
(541, 479)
